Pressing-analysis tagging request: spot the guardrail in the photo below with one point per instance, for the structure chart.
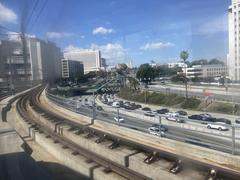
(228, 141)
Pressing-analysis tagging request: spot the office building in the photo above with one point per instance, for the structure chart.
(45, 58)
(91, 59)
(233, 61)
(206, 71)
(72, 69)
(175, 65)
(42, 62)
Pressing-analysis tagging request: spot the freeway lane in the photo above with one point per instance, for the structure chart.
(219, 97)
(176, 133)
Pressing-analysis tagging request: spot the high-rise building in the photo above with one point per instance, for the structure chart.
(43, 62)
(90, 58)
(45, 58)
(72, 69)
(233, 61)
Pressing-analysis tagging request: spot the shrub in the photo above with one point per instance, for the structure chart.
(191, 103)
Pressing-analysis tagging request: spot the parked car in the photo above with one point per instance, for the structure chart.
(182, 113)
(149, 113)
(219, 126)
(146, 109)
(119, 119)
(163, 111)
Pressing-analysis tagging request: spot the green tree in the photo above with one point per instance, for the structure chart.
(184, 56)
(179, 78)
(145, 73)
(133, 83)
(215, 61)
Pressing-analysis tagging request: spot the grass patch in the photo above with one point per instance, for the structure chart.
(190, 103)
(219, 107)
(152, 98)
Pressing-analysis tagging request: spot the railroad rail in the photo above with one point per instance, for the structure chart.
(32, 99)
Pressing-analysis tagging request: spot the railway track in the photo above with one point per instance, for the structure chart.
(178, 165)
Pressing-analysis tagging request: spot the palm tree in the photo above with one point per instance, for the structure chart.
(133, 83)
(184, 56)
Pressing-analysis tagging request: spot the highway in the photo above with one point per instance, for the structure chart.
(174, 132)
(230, 97)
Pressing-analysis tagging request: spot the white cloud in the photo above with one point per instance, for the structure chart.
(114, 53)
(212, 26)
(12, 36)
(7, 15)
(72, 48)
(57, 35)
(156, 46)
(102, 30)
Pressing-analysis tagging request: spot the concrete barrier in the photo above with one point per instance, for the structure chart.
(183, 150)
(116, 155)
(99, 174)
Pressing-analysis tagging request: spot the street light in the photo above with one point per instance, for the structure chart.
(118, 116)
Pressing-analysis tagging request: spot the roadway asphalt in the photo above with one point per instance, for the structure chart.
(174, 132)
(219, 97)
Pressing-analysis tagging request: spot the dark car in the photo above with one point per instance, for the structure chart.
(237, 121)
(138, 106)
(99, 108)
(196, 117)
(162, 111)
(223, 120)
(146, 109)
(163, 128)
(182, 113)
(202, 117)
(129, 107)
(208, 119)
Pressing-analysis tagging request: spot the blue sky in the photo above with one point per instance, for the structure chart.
(140, 30)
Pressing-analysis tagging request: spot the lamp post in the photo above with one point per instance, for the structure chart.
(93, 113)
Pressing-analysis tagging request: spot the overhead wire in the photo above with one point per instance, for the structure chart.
(39, 14)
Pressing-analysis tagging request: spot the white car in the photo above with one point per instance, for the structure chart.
(219, 126)
(155, 131)
(149, 113)
(116, 104)
(173, 117)
(119, 119)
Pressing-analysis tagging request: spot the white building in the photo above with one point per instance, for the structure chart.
(45, 58)
(91, 59)
(234, 40)
(179, 64)
(43, 62)
(206, 71)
